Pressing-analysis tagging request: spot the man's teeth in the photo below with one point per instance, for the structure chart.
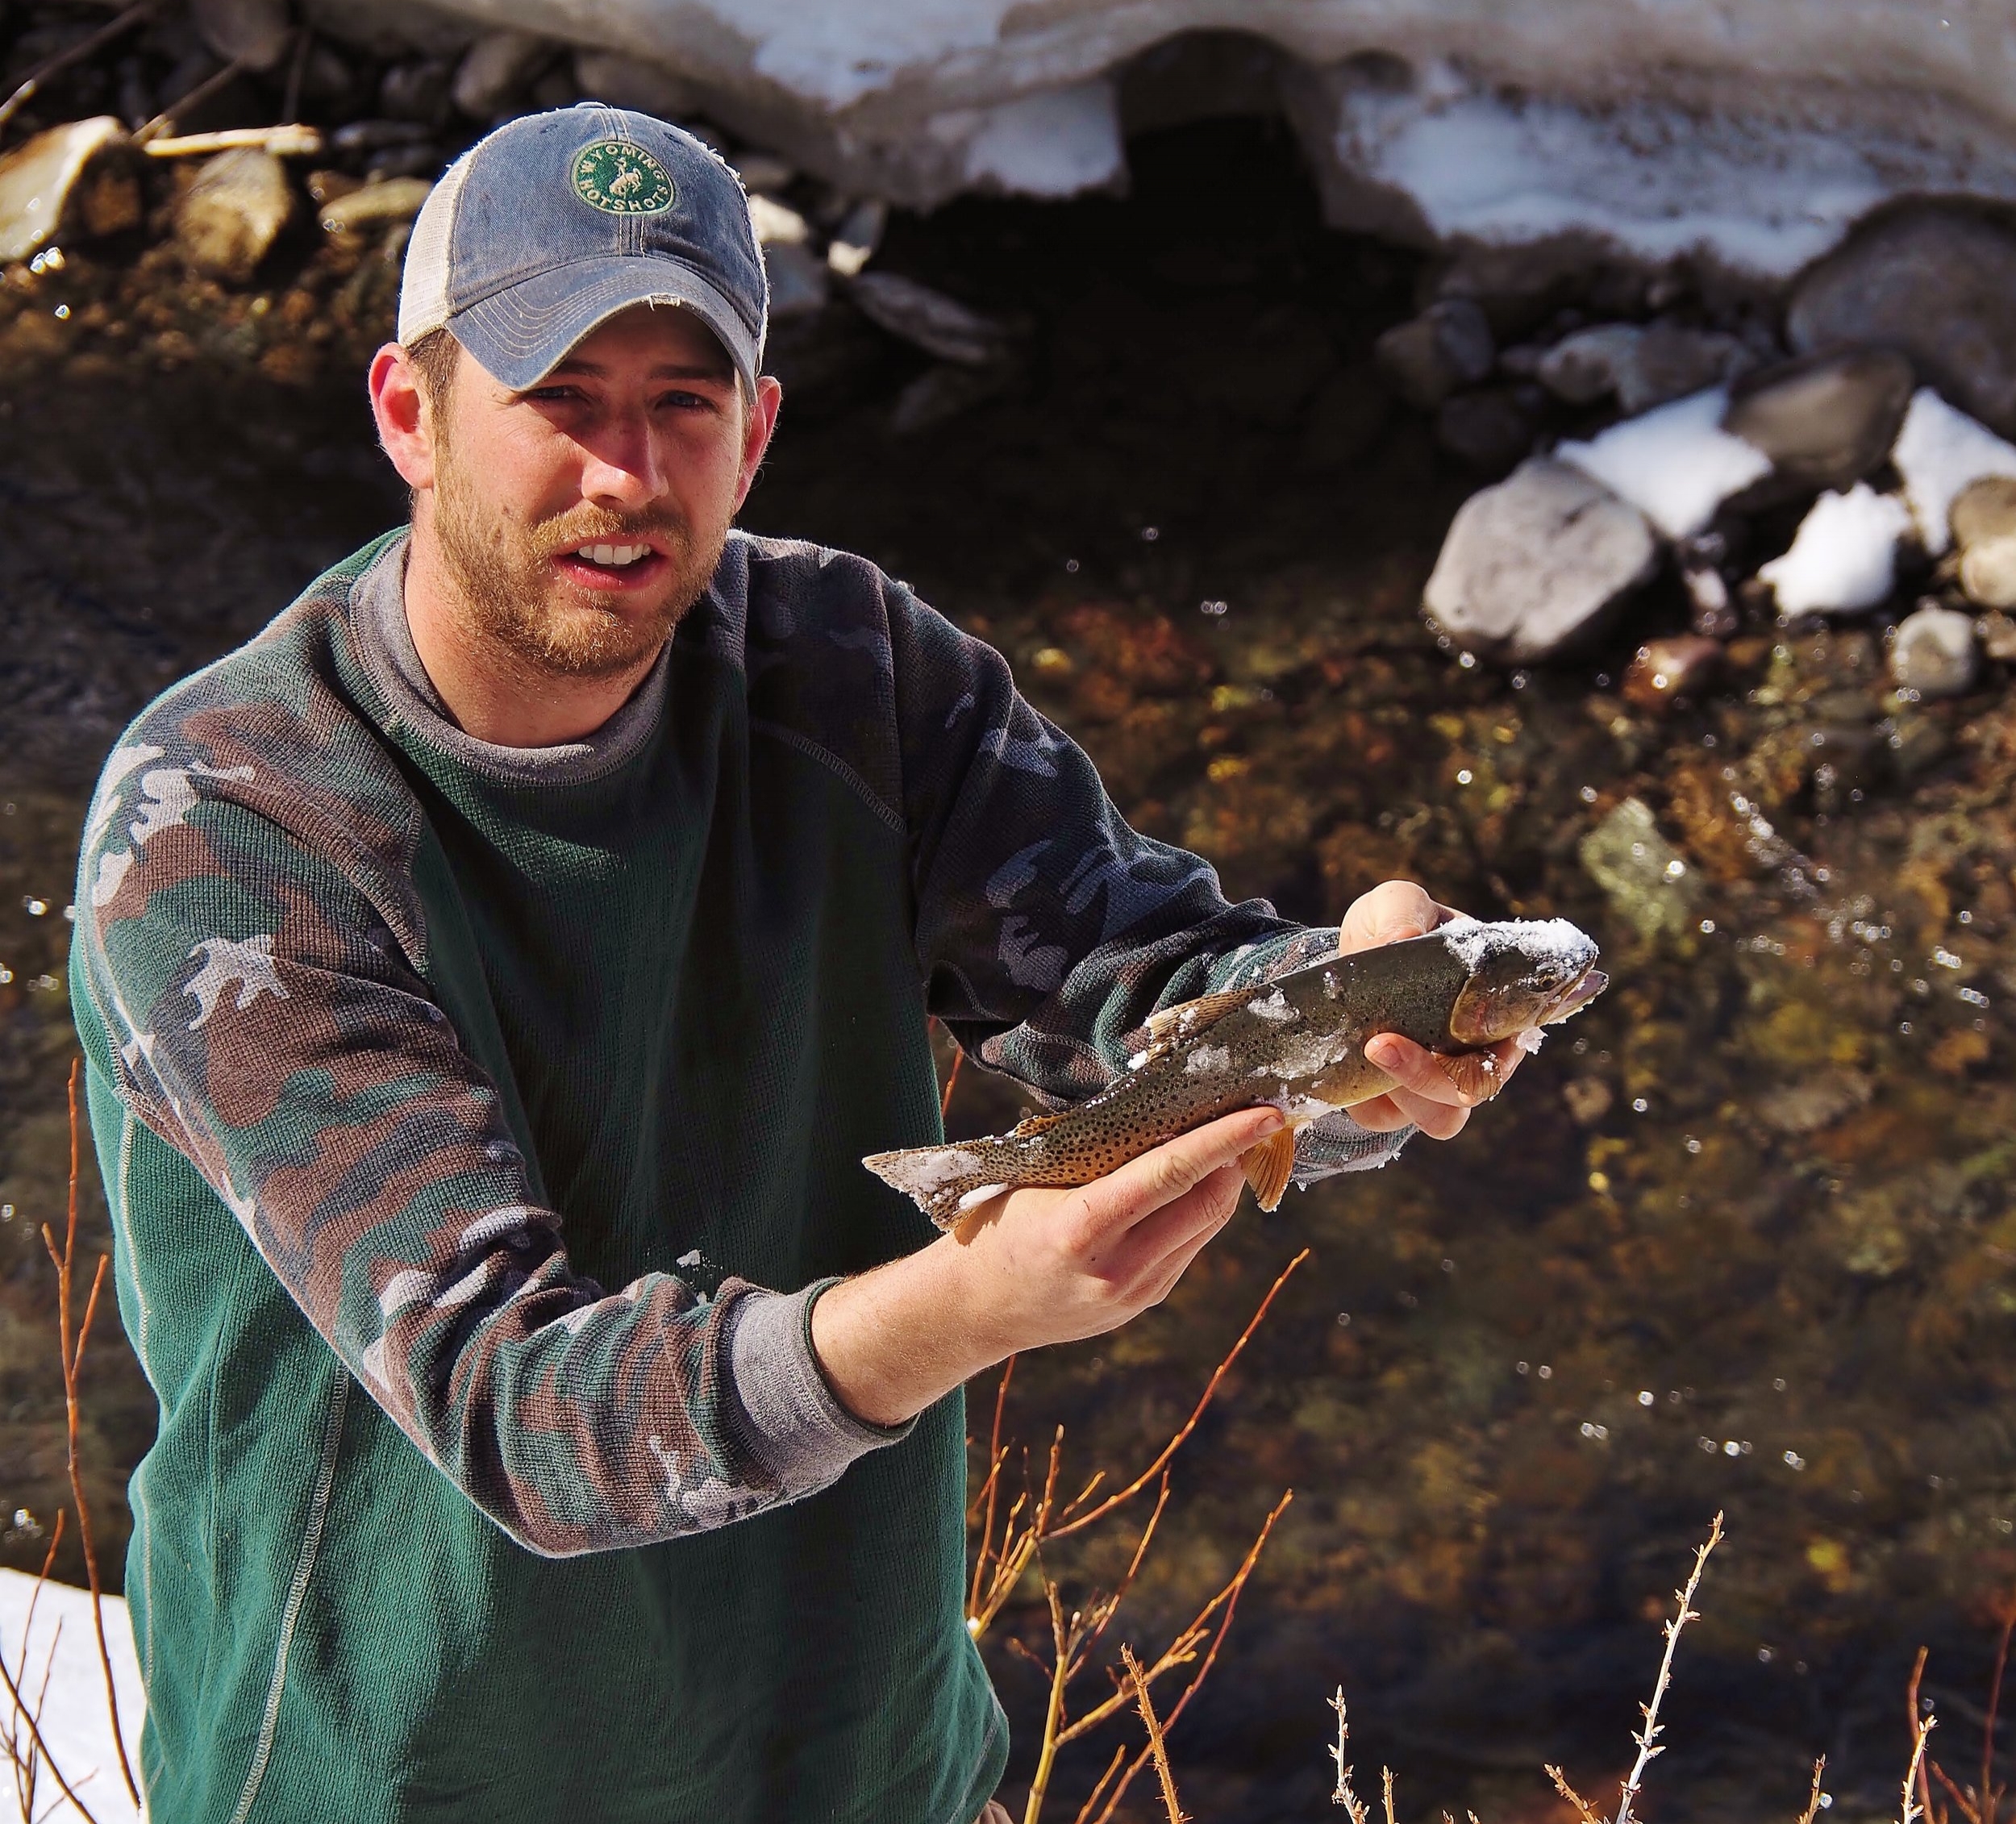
(612, 556)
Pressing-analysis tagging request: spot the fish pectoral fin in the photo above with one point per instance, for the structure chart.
(1034, 1124)
(1478, 1075)
(1170, 1026)
(1269, 1165)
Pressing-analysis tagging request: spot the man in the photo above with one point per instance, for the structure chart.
(490, 978)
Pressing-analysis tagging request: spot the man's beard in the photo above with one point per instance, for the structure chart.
(500, 568)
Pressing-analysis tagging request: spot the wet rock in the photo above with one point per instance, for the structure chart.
(1936, 283)
(857, 237)
(395, 199)
(257, 33)
(1843, 558)
(1489, 430)
(495, 70)
(1807, 1106)
(1537, 563)
(1826, 421)
(231, 216)
(1674, 463)
(1448, 346)
(776, 223)
(1346, 417)
(800, 282)
(417, 90)
(1983, 523)
(938, 325)
(626, 82)
(1665, 670)
(1940, 452)
(1645, 878)
(1709, 611)
(38, 180)
(763, 171)
(1917, 743)
(1841, 759)
(1588, 1099)
(1997, 635)
(1643, 366)
(943, 392)
(1934, 654)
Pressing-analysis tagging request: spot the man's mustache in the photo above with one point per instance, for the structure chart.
(577, 529)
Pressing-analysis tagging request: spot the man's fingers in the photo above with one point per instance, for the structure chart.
(1121, 1199)
(1413, 1067)
(1161, 1245)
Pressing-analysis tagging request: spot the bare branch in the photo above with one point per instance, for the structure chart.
(1583, 1809)
(1648, 1736)
(1156, 1746)
(1355, 1808)
(1813, 1798)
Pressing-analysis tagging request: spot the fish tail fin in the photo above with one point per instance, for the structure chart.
(941, 1180)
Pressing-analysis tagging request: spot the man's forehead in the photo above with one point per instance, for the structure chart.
(663, 335)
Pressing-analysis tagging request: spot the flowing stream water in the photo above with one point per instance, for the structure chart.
(1740, 1239)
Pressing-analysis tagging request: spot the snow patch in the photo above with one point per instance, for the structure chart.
(1054, 145)
(1208, 1058)
(1658, 180)
(929, 1170)
(974, 1198)
(1273, 1007)
(74, 1722)
(1844, 556)
(1939, 452)
(1676, 464)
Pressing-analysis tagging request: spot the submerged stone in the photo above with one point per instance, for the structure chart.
(1665, 670)
(1934, 654)
(1645, 878)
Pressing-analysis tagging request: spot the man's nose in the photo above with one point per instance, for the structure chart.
(624, 467)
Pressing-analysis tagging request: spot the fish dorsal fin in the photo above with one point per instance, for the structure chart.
(1174, 1026)
(1034, 1124)
(1269, 1165)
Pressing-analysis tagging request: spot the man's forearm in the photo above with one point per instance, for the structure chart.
(894, 1340)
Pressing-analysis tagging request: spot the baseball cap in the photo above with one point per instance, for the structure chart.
(556, 222)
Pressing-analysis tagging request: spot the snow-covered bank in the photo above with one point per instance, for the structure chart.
(74, 1723)
(1755, 129)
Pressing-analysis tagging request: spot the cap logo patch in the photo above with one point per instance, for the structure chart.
(622, 179)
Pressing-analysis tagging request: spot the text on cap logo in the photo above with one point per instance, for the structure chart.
(622, 179)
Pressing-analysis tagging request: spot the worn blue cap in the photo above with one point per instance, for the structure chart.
(556, 222)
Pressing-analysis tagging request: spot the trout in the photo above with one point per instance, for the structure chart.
(1298, 1042)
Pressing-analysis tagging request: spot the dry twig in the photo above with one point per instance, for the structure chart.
(72, 1352)
(292, 140)
(1921, 1727)
(1156, 1746)
(1354, 1806)
(1814, 1797)
(1583, 1809)
(1647, 1737)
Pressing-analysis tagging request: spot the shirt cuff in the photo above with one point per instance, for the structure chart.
(792, 1423)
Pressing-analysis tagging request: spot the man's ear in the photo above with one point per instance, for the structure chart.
(405, 415)
(757, 431)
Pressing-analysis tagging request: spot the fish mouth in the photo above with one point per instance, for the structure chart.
(1486, 1012)
(1575, 996)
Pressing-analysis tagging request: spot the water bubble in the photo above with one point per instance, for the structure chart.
(1764, 1655)
(1793, 1460)
(63, 313)
(1588, 794)
(1150, 533)
(1693, 1144)
(2005, 1526)
(36, 908)
(1467, 661)
(1973, 997)
(1519, 680)
(1602, 681)
(1546, 1373)
(1639, 1104)
(1214, 609)
(1645, 1398)
(1675, 869)
(1778, 1386)
(6, 1213)
(1448, 1266)
(1343, 1320)
(1707, 1444)
(1463, 776)
(1071, 566)
(1946, 959)
(1598, 1432)
(1904, 1027)
(1708, 927)
(1732, 1448)
(7, 975)
(1523, 1368)
(1967, 918)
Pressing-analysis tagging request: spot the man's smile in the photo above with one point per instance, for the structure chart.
(606, 567)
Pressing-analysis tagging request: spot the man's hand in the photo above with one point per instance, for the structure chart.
(1423, 1094)
(1031, 1267)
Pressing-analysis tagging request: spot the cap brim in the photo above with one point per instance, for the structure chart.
(519, 335)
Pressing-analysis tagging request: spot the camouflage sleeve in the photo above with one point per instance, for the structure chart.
(255, 975)
(1048, 929)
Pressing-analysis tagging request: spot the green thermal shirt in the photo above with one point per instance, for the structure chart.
(480, 1123)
